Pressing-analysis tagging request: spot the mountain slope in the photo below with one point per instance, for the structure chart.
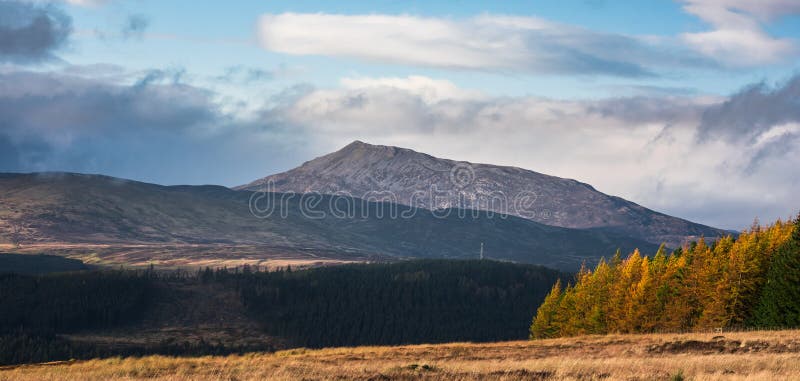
(412, 178)
(98, 209)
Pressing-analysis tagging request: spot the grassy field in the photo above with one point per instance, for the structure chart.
(771, 355)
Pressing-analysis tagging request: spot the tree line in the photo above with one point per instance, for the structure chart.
(750, 281)
(37, 308)
(422, 301)
(406, 302)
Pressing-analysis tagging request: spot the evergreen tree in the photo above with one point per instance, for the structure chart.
(779, 304)
(542, 326)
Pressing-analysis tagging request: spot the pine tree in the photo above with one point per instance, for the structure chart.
(542, 326)
(779, 304)
(563, 320)
(676, 309)
(631, 274)
(600, 295)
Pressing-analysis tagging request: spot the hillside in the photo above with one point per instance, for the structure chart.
(89, 209)
(417, 179)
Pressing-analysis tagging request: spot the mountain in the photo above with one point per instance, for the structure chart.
(413, 178)
(83, 209)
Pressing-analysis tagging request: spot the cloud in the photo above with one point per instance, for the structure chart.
(766, 120)
(153, 128)
(487, 43)
(31, 32)
(738, 37)
(752, 112)
(135, 26)
(731, 12)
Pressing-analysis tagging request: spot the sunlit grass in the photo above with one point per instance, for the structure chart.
(612, 357)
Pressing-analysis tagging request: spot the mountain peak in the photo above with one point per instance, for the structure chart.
(358, 153)
(413, 178)
(358, 145)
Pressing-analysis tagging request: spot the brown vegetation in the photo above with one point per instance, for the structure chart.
(764, 355)
(190, 256)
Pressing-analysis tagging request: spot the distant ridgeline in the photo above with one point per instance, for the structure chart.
(423, 301)
(753, 281)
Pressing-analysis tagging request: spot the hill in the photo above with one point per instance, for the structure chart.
(413, 178)
(91, 209)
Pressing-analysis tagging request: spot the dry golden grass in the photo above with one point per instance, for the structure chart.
(767, 355)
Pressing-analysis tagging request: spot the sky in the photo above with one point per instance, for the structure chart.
(688, 107)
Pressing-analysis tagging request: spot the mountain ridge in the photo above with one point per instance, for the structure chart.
(87, 209)
(361, 169)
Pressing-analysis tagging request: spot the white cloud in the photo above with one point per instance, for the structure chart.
(738, 37)
(721, 12)
(741, 47)
(487, 42)
(535, 45)
(775, 133)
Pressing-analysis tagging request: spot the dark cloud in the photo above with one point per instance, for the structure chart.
(174, 76)
(639, 110)
(157, 129)
(777, 149)
(31, 32)
(760, 117)
(752, 111)
(135, 26)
